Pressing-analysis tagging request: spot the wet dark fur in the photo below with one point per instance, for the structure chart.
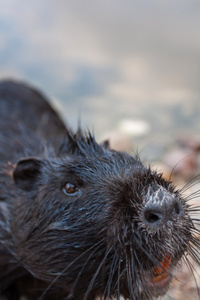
(97, 241)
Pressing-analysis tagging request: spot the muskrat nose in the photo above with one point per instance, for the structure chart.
(160, 208)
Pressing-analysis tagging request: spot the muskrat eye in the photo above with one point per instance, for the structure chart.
(70, 188)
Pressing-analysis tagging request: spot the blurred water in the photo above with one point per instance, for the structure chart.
(110, 62)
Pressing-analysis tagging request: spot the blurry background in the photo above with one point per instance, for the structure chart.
(129, 69)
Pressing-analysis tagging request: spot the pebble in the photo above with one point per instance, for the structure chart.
(134, 127)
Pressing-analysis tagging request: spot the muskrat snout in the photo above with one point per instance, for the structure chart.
(161, 207)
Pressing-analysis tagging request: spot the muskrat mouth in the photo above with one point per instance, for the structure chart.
(160, 273)
(159, 278)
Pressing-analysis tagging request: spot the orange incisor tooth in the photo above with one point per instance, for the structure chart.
(159, 272)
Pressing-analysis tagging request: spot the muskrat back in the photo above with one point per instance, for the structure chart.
(26, 121)
(77, 219)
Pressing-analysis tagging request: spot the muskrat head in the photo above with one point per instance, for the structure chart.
(92, 221)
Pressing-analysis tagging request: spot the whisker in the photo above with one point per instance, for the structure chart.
(79, 274)
(111, 274)
(189, 184)
(129, 277)
(65, 269)
(95, 275)
(192, 270)
(192, 196)
(141, 280)
(172, 171)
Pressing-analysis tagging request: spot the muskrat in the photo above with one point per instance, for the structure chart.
(77, 219)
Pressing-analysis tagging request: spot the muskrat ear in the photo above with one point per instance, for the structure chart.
(26, 173)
